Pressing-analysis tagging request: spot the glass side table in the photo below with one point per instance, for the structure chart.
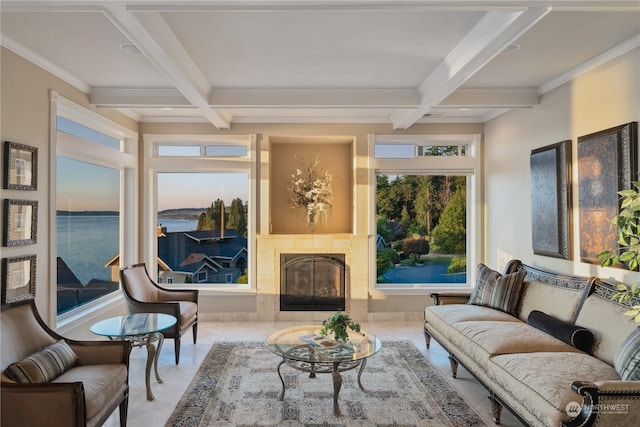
(141, 329)
(302, 348)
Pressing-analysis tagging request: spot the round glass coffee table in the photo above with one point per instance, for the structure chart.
(140, 329)
(302, 348)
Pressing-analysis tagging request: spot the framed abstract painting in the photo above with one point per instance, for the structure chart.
(551, 200)
(607, 163)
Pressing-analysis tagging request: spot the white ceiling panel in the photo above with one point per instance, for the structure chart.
(85, 44)
(316, 49)
(560, 42)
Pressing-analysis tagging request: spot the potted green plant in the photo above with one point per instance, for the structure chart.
(627, 224)
(338, 324)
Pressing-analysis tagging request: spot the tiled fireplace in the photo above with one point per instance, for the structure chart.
(273, 249)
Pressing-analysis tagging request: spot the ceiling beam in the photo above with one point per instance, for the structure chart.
(312, 5)
(343, 98)
(491, 98)
(151, 34)
(495, 31)
(129, 98)
(315, 98)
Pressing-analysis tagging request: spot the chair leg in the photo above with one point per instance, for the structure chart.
(195, 332)
(176, 343)
(123, 411)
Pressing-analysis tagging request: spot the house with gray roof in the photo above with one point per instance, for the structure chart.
(202, 256)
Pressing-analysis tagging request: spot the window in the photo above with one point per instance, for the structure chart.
(425, 215)
(201, 209)
(93, 175)
(87, 231)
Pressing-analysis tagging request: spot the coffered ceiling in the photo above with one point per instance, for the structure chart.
(380, 61)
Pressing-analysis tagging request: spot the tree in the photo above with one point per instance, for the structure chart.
(212, 218)
(237, 217)
(415, 247)
(449, 236)
(423, 205)
(382, 228)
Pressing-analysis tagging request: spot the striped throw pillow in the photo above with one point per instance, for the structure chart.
(497, 291)
(43, 366)
(627, 359)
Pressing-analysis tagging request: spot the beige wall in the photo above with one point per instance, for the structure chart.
(335, 159)
(24, 119)
(600, 99)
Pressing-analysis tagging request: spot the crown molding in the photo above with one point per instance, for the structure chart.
(598, 61)
(43, 63)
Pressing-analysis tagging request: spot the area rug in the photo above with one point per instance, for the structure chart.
(238, 385)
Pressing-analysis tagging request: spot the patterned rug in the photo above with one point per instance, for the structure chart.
(238, 385)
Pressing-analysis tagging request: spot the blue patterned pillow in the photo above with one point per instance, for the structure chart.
(627, 359)
(497, 291)
(43, 366)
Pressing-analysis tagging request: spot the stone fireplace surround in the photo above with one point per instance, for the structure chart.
(269, 247)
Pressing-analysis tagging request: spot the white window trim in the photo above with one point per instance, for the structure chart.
(469, 165)
(62, 144)
(153, 164)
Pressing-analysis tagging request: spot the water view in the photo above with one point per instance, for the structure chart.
(86, 243)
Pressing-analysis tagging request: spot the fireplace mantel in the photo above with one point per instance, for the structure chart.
(269, 248)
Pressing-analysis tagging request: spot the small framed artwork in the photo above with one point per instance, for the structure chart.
(551, 200)
(607, 163)
(20, 222)
(21, 167)
(18, 278)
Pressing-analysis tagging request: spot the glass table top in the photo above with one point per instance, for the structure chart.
(304, 343)
(133, 324)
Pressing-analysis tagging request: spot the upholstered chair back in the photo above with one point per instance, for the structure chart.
(21, 334)
(137, 284)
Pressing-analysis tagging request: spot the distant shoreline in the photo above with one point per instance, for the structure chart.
(87, 213)
(190, 214)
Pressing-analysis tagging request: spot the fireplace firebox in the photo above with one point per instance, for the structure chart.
(312, 282)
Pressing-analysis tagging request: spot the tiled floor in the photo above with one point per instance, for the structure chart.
(143, 413)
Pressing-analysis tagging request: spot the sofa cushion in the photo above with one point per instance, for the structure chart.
(627, 359)
(542, 381)
(557, 297)
(452, 313)
(489, 338)
(608, 323)
(579, 337)
(101, 383)
(45, 365)
(497, 291)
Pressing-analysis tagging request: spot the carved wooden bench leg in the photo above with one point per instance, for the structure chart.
(496, 408)
(427, 339)
(454, 366)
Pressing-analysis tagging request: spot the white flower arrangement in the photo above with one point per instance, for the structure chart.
(311, 189)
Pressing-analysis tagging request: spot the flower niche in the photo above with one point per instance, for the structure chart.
(311, 190)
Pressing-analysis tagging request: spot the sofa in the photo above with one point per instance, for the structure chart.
(553, 349)
(49, 380)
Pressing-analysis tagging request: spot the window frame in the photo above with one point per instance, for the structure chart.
(153, 164)
(468, 165)
(124, 160)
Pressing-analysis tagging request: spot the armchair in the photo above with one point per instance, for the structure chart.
(86, 391)
(143, 295)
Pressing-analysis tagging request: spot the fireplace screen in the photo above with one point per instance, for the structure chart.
(312, 282)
